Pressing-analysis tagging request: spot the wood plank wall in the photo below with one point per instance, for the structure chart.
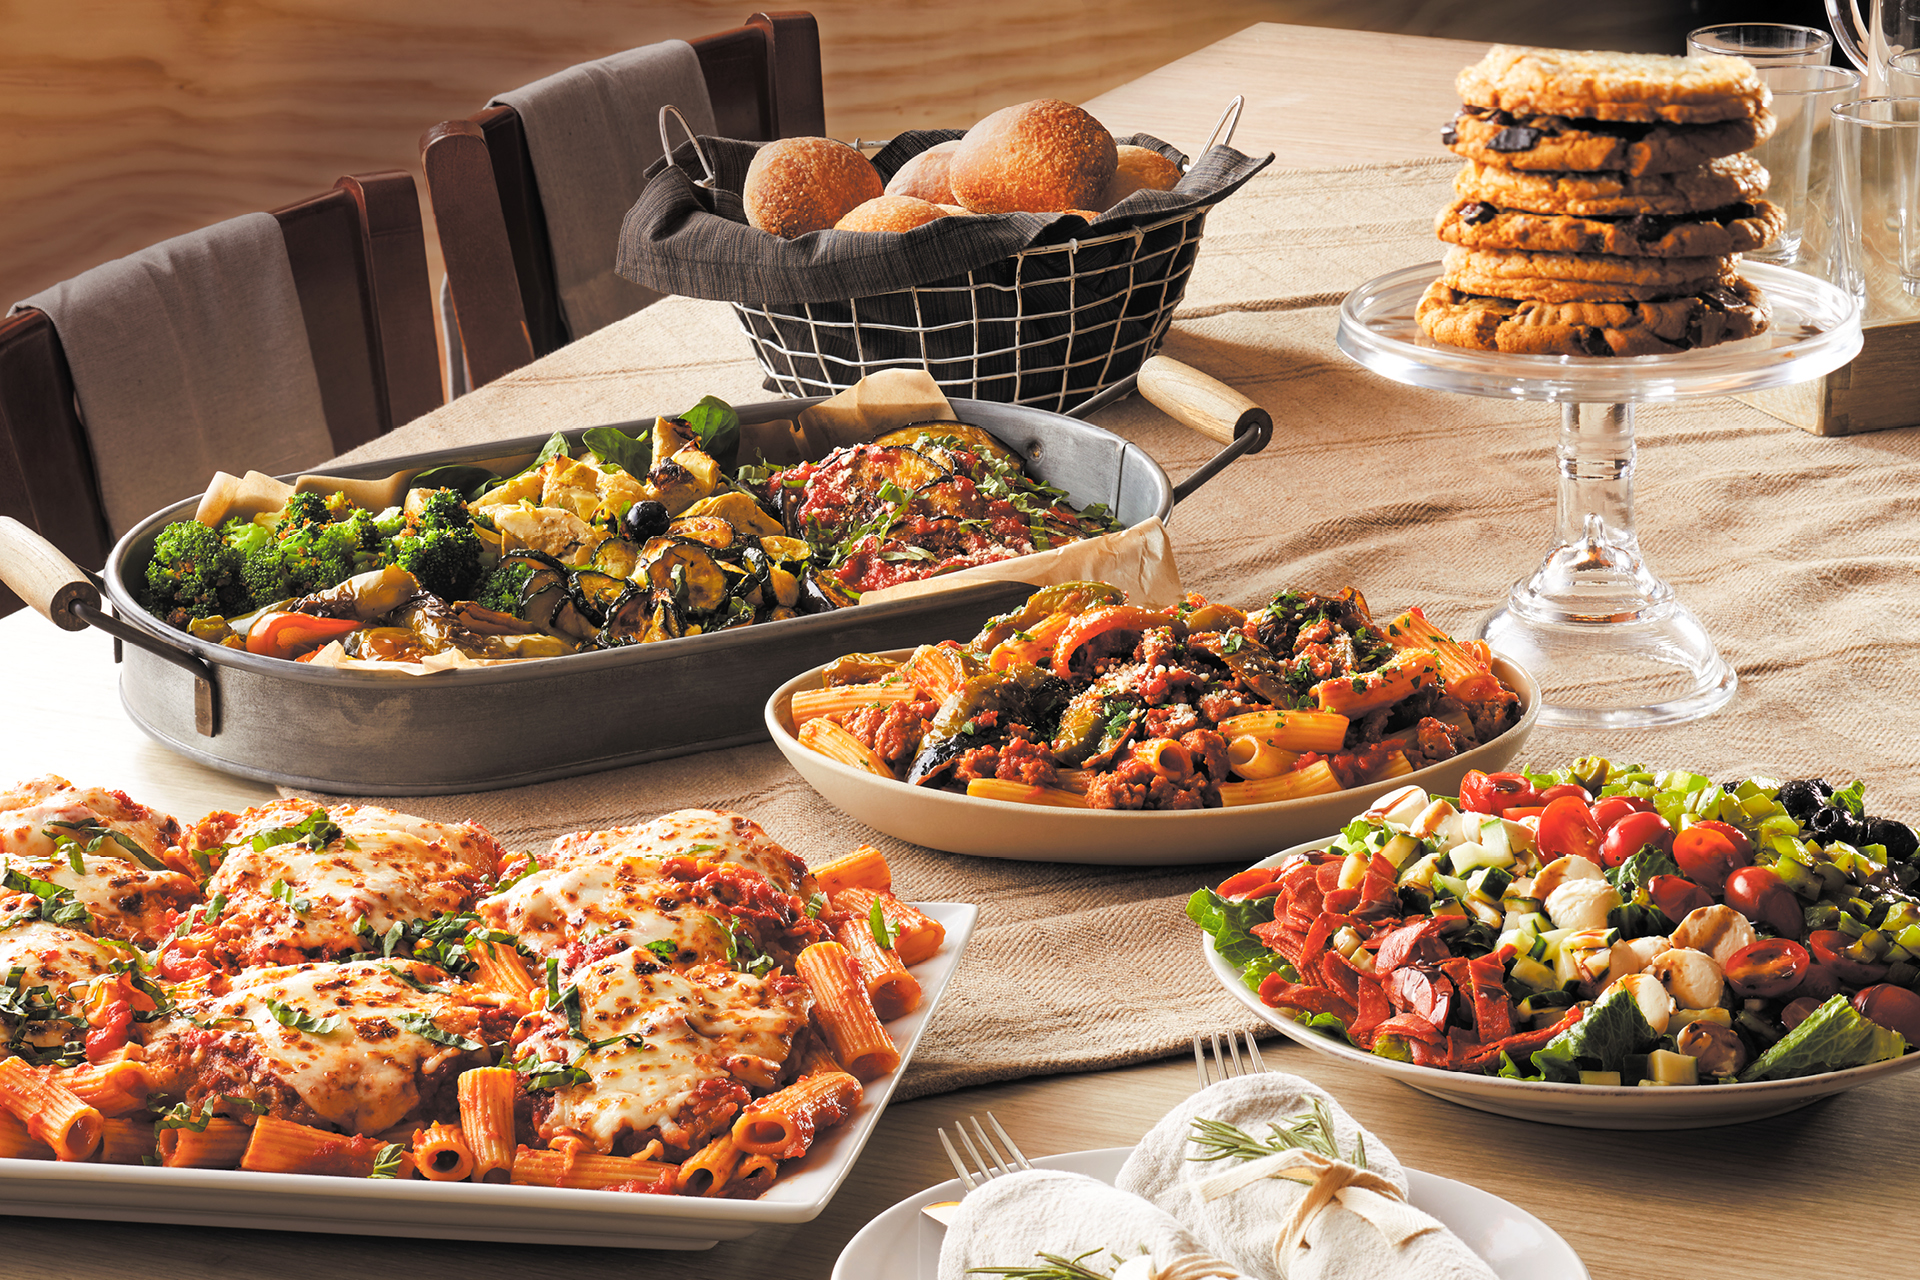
(123, 122)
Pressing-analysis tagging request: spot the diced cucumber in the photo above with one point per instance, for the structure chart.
(1530, 921)
(1354, 870)
(1493, 838)
(1400, 850)
(1524, 943)
(1452, 886)
(1489, 882)
(1533, 974)
(1466, 857)
(1681, 1017)
(1672, 1068)
(1552, 939)
(1422, 872)
(1600, 1077)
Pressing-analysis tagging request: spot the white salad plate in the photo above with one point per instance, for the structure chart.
(902, 1244)
(476, 1211)
(1582, 1106)
(957, 823)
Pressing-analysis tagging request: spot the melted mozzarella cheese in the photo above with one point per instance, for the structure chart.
(689, 1027)
(707, 835)
(54, 957)
(126, 899)
(621, 898)
(363, 1076)
(399, 868)
(29, 810)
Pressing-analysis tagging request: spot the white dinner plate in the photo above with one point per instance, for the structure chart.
(1583, 1106)
(960, 823)
(902, 1245)
(477, 1211)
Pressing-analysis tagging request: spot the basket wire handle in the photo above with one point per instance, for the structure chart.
(666, 145)
(1229, 120)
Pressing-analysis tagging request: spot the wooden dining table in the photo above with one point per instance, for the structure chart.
(1825, 1190)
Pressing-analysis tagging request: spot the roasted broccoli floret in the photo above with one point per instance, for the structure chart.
(440, 548)
(307, 553)
(194, 573)
(245, 536)
(503, 588)
(303, 509)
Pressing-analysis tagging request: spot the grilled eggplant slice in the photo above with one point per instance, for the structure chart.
(970, 437)
(687, 571)
(712, 530)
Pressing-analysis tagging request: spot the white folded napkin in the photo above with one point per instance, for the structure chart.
(592, 130)
(1297, 1215)
(188, 358)
(1013, 1219)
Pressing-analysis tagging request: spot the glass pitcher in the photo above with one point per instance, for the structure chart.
(1872, 32)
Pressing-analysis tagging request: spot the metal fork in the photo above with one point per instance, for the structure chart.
(990, 1165)
(1227, 1062)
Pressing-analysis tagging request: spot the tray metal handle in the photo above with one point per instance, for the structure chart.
(1197, 401)
(65, 595)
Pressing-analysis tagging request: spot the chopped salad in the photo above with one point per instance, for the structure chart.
(1595, 924)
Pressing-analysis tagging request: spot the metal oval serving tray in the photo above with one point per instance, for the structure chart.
(366, 733)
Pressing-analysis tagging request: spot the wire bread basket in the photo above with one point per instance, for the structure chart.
(1044, 311)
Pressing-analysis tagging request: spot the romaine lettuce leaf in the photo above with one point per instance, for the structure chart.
(1254, 971)
(1231, 924)
(1326, 1024)
(1833, 1037)
(1632, 875)
(1613, 1028)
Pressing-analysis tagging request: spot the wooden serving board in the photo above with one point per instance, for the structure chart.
(1876, 392)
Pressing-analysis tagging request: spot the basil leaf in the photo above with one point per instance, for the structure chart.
(665, 950)
(423, 1026)
(100, 833)
(286, 893)
(717, 427)
(464, 478)
(300, 1020)
(386, 1161)
(883, 936)
(415, 983)
(616, 448)
(182, 1116)
(541, 1073)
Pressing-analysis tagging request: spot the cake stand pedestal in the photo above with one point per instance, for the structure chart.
(1608, 641)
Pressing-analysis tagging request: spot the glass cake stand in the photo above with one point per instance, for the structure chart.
(1610, 644)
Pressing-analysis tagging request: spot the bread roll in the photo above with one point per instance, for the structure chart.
(890, 213)
(1139, 169)
(1039, 157)
(925, 176)
(797, 185)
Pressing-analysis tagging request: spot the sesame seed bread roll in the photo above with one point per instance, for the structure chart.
(797, 185)
(924, 177)
(889, 213)
(1045, 156)
(1139, 169)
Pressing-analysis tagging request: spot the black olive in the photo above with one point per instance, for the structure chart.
(645, 520)
(1830, 823)
(1802, 796)
(1896, 837)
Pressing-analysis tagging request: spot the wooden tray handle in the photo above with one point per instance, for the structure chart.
(1202, 402)
(41, 575)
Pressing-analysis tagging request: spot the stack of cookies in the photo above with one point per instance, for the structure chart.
(1603, 205)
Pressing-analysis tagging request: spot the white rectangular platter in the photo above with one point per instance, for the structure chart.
(475, 1211)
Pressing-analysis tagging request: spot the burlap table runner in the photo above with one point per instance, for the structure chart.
(1797, 552)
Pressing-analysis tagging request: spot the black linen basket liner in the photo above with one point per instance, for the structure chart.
(1021, 308)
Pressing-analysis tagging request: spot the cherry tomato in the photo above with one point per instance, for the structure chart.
(1609, 810)
(1633, 833)
(1770, 967)
(1821, 983)
(1676, 896)
(1798, 1012)
(1829, 947)
(1496, 792)
(1895, 1008)
(1559, 789)
(1757, 894)
(1567, 830)
(1742, 844)
(1705, 857)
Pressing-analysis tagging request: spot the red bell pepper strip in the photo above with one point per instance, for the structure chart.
(287, 635)
(1118, 617)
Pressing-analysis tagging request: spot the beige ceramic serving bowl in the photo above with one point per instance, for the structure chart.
(959, 823)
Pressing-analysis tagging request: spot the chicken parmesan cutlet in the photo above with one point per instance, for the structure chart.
(109, 852)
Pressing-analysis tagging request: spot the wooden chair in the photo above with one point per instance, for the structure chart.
(359, 262)
(764, 81)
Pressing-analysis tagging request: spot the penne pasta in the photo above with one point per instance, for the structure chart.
(113, 1088)
(818, 1057)
(486, 1116)
(221, 1145)
(864, 868)
(1253, 757)
(753, 1177)
(1317, 779)
(16, 1143)
(1074, 780)
(893, 991)
(783, 1124)
(811, 704)
(938, 669)
(1300, 731)
(51, 1112)
(441, 1154)
(916, 935)
(1034, 646)
(834, 742)
(1166, 758)
(281, 1146)
(1404, 674)
(1411, 630)
(590, 1172)
(845, 1012)
(130, 1140)
(1397, 765)
(1021, 793)
(500, 967)
(708, 1171)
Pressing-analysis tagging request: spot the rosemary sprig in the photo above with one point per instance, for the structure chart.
(1057, 1268)
(1310, 1132)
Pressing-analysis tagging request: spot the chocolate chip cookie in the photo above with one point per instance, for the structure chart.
(1647, 87)
(1575, 277)
(1719, 313)
(1729, 180)
(1569, 142)
(1737, 228)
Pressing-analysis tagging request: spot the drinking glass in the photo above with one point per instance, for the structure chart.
(1876, 146)
(1873, 33)
(1797, 156)
(1764, 44)
(1903, 75)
